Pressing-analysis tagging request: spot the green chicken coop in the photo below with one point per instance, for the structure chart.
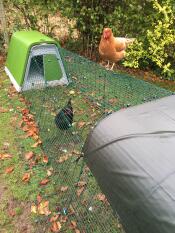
(34, 60)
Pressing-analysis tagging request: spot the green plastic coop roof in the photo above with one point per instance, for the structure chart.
(19, 48)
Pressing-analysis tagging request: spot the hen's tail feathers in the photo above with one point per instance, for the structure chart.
(130, 40)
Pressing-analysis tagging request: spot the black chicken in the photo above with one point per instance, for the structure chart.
(64, 117)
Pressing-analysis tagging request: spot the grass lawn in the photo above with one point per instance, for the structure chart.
(36, 183)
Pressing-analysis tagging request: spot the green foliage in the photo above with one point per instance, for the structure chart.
(31, 14)
(91, 16)
(155, 48)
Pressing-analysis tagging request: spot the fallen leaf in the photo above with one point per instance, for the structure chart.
(25, 128)
(39, 198)
(101, 197)
(33, 208)
(76, 152)
(5, 156)
(113, 100)
(81, 183)
(12, 213)
(44, 182)
(2, 110)
(43, 208)
(26, 177)
(45, 159)
(29, 155)
(71, 210)
(63, 158)
(87, 169)
(94, 114)
(9, 170)
(32, 164)
(79, 191)
(25, 111)
(64, 188)
(73, 224)
(81, 124)
(54, 218)
(72, 92)
(21, 99)
(77, 231)
(6, 145)
(39, 142)
(49, 172)
(63, 219)
(56, 227)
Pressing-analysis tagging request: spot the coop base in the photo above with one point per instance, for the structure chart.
(12, 79)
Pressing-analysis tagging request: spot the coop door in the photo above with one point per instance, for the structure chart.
(52, 69)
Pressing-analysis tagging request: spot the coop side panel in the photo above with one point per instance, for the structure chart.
(17, 58)
(131, 154)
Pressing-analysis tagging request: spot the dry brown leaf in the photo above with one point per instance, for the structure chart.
(54, 218)
(43, 208)
(101, 197)
(32, 164)
(71, 210)
(44, 182)
(12, 213)
(77, 231)
(81, 124)
(49, 172)
(9, 170)
(56, 226)
(34, 208)
(73, 224)
(81, 183)
(119, 226)
(45, 159)
(87, 169)
(39, 142)
(21, 99)
(29, 155)
(76, 152)
(39, 198)
(5, 156)
(79, 191)
(63, 158)
(25, 111)
(64, 188)
(26, 177)
(63, 219)
(113, 101)
(2, 110)
(6, 146)
(25, 128)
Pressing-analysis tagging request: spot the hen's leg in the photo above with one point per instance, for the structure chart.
(112, 67)
(107, 66)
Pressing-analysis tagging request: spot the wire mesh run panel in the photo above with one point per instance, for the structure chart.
(39, 61)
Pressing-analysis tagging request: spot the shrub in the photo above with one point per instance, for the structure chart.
(156, 47)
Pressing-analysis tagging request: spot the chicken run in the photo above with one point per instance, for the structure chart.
(91, 95)
(94, 93)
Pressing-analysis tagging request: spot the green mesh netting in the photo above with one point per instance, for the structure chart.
(95, 92)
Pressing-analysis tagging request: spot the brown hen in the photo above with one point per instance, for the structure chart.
(112, 48)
